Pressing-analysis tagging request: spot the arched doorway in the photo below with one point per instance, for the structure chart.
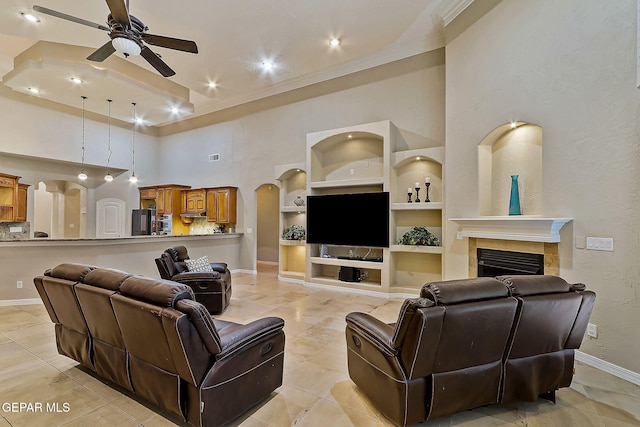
(267, 219)
(59, 209)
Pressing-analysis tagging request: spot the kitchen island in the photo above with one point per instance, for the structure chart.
(22, 260)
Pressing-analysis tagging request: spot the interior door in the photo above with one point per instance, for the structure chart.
(110, 218)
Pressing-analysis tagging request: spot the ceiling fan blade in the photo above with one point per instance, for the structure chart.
(157, 63)
(69, 17)
(102, 53)
(119, 12)
(171, 43)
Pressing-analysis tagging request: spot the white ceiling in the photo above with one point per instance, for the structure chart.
(233, 37)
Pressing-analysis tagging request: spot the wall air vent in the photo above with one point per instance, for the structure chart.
(214, 157)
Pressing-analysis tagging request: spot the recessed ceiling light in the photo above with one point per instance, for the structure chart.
(33, 90)
(268, 65)
(418, 158)
(175, 110)
(334, 42)
(349, 136)
(139, 120)
(75, 80)
(513, 125)
(213, 85)
(29, 17)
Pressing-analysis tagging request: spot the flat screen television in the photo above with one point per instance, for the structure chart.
(360, 219)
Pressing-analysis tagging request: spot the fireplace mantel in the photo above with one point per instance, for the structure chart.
(521, 227)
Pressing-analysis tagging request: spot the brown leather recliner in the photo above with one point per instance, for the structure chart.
(469, 343)
(443, 355)
(151, 337)
(211, 289)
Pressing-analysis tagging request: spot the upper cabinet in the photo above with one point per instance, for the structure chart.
(13, 199)
(194, 201)
(21, 213)
(222, 204)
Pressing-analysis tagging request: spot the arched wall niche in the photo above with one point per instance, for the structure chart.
(505, 151)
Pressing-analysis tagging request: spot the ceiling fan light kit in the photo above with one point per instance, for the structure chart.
(126, 47)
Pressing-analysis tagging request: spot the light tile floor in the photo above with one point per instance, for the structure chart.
(316, 391)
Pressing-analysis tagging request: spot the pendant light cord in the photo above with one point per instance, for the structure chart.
(109, 138)
(133, 140)
(84, 98)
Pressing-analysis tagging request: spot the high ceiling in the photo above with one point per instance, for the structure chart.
(234, 39)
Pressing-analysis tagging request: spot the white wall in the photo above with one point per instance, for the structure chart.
(251, 146)
(570, 67)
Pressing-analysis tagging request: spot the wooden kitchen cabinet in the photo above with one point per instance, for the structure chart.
(21, 212)
(195, 201)
(166, 200)
(222, 204)
(10, 199)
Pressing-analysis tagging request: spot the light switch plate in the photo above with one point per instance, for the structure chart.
(600, 243)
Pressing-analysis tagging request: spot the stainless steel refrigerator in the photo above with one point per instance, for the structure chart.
(143, 222)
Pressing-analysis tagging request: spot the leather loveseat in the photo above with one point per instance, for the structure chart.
(469, 343)
(152, 338)
(211, 289)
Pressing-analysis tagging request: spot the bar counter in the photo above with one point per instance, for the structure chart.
(22, 260)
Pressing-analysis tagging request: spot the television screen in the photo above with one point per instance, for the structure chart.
(360, 219)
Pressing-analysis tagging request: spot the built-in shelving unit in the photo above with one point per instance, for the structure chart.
(373, 157)
(413, 266)
(292, 253)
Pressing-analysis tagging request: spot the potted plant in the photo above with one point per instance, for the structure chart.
(295, 232)
(419, 236)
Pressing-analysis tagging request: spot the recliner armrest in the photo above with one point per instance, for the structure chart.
(220, 267)
(235, 338)
(374, 330)
(196, 276)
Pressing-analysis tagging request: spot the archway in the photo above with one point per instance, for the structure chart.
(267, 219)
(60, 208)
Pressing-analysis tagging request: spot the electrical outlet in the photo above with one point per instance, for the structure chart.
(19, 284)
(592, 330)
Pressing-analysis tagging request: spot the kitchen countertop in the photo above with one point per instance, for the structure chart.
(47, 241)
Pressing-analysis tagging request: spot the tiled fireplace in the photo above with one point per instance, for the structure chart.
(516, 234)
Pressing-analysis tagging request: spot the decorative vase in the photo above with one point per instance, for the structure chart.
(299, 201)
(514, 201)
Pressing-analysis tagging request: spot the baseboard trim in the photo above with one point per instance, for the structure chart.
(608, 367)
(243, 271)
(27, 301)
(290, 280)
(357, 291)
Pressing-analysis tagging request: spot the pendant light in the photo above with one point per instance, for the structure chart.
(133, 178)
(108, 176)
(82, 176)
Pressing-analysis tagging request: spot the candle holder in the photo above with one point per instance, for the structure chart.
(417, 195)
(427, 184)
(409, 194)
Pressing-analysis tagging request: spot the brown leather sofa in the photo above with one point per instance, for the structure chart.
(469, 343)
(211, 289)
(152, 338)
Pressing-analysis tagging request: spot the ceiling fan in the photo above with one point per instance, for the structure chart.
(128, 35)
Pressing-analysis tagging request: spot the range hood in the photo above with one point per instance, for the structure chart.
(193, 214)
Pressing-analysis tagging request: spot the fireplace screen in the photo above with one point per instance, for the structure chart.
(493, 263)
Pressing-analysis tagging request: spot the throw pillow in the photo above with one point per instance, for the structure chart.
(199, 264)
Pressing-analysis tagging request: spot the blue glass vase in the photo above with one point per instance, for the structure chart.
(514, 201)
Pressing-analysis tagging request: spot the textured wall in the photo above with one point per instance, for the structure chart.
(570, 67)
